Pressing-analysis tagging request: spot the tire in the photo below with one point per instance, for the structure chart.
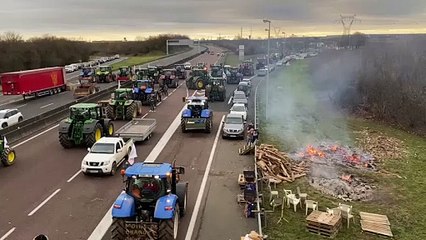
(94, 136)
(109, 130)
(4, 125)
(8, 157)
(199, 84)
(113, 169)
(110, 112)
(64, 141)
(182, 125)
(182, 193)
(168, 229)
(118, 230)
(131, 111)
(20, 119)
(209, 125)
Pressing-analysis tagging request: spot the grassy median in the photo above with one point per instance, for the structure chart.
(296, 117)
(137, 60)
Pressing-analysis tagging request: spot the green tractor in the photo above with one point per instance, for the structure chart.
(125, 74)
(84, 126)
(122, 105)
(105, 75)
(8, 155)
(198, 79)
(215, 89)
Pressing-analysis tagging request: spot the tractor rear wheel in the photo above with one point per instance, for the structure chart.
(110, 112)
(94, 136)
(8, 157)
(168, 229)
(182, 125)
(209, 125)
(118, 230)
(199, 84)
(131, 111)
(64, 141)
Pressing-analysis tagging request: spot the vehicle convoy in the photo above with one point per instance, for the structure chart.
(233, 126)
(121, 105)
(216, 90)
(180, 71)
(169, 78)
(144, 91)
(197, 115)
(198, 79)
(8, 155)
(247, 68)
(85, 126)
(125, 74)
(86, 83)
(36, 82)
(9, 117)
(235, 76)
(105, 74)
(152, 203)
(138, 129)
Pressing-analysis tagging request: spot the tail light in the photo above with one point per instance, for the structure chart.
(168, 208)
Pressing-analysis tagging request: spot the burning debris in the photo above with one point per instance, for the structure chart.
(347, 187)
(276, 166)
(381, 146)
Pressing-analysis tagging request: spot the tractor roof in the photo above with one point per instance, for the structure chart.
(103, 66)
(85, 105)
(123, 90)
(149, 170)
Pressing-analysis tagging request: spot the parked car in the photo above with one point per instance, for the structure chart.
(187, 66)
(9, 117)
(239, 97)
(239, 108)
(233, 126)
(106, 155)
(69, 69)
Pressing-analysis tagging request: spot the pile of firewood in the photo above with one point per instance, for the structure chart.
(382, 147)
(276, 166)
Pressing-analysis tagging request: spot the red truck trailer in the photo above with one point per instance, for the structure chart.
(36, 82)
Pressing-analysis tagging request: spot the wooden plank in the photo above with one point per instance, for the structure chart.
(372, 217)
(376, 228)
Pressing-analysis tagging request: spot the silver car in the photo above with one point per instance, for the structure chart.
(233, 126)
(239, 97)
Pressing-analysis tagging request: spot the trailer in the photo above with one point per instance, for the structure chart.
(138, 129)
(36, 82)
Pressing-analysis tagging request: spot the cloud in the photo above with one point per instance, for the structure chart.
(208, 17)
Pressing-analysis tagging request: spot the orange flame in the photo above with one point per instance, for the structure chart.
(334, 148)
(310, 150)
(354, 158)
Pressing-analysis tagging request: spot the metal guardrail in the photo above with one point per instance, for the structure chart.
(39, 122)
(256, 126)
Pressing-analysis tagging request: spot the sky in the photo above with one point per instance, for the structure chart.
(116, 19)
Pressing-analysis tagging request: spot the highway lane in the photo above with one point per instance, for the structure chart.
(43, 167)
(33, 107)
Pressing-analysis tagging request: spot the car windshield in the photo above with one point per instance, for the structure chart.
(102, 148)
(238, 108)
(239, 96)
(2, 114)
(234, 120)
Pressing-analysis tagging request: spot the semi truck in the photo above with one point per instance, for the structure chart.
(36, 82)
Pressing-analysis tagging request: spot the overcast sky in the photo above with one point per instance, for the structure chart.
(115, 19)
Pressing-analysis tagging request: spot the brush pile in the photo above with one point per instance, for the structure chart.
(277, 166)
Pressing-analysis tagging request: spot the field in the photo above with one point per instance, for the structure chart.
(138, 60)
(298, 115)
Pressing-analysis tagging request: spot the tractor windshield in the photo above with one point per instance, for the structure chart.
(147, 188)
(107, 148)
(104, 69)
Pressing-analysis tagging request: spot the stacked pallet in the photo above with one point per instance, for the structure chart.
(323, 224)
(276, 166)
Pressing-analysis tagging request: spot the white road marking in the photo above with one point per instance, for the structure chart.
(203, 186)
(230, 100)
(44, 202)
(45, 106)
(8, 233)
(23, 105)
(35, 136)
(106, 221)
(74, 176)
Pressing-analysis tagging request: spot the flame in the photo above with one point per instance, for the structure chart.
(354, 158)
(334, 148)
(346, 177)
(310, 150)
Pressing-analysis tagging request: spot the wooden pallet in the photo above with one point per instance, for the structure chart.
(323, 224)
(246, 149)
(375, 223)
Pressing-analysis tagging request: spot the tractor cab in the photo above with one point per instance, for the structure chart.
(216, 71)
(196, 105)
(105, 69)
(121, 94)
(87, 72)
(199, 72)
(85, 111)
(142, 73)
(124, 71)
(143, 86)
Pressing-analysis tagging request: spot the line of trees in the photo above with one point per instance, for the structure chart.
(46, 51)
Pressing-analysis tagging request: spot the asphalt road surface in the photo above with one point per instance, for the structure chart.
(44, 192)
(33, 107)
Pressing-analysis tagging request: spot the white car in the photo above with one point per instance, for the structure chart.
(74, 67)
(279, 63)
(187, 66)
(239, 97)
(239, 108)
(106, 155)
(69, 69)
(9, 117)
(262, 72)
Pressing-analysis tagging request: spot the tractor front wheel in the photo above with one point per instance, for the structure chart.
(64, 141)
(118, 230)
(182, 125)
(8, 157)
(131, 111)
(109, 129)
(94, 136)
(168, 229)
(110, 112)
(209, 125)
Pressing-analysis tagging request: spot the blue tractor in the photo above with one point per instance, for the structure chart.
(151, 204)
(197, 115)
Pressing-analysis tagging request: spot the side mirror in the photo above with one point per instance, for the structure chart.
(180, 170)
(88, 149)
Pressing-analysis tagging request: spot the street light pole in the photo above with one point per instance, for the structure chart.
(267, 62)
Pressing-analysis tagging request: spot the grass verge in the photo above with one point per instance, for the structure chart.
(296, 118)
(138, 60)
